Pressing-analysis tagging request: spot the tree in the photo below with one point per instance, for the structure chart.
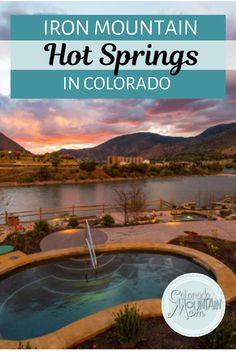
(55, 159)
(122, 200)
(130, 200)
(88, 166)
(137, 199)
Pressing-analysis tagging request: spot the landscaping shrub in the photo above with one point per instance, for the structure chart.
(73, 222)
(107, 221)
(212, 248)
(129, 326)
(224, 336)
(133, 223)
(29, 239)
(212, 217)
(23, 241)
(18, 240)
(41, 228)
(26, 179)
(225, 212)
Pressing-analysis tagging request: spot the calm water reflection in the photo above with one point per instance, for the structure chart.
(181, 189)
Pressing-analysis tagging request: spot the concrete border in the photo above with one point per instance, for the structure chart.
(88, 327)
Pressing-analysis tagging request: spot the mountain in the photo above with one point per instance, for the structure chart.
(7, 144)
(217, 129)
(125, 145)
(214, 141)
(217, 139)
(220, 138)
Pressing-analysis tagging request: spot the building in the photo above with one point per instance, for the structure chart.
(126, 160)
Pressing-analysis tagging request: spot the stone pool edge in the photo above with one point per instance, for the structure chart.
(90, 326)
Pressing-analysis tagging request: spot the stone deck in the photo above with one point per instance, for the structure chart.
(165, 232)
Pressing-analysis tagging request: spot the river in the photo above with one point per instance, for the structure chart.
(201, 189)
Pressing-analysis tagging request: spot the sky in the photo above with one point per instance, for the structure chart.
(47, 125)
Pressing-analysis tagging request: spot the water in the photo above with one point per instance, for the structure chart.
(41, 299)
(230, 171)
(190, 217)
(6, 249)
(179, 190)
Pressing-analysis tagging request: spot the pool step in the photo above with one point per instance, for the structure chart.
(85, 262)
(86, 293)
(98, 282)
(79, 270)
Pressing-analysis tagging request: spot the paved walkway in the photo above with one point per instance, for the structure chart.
(164, 232)
(70, 238)
(161, 233)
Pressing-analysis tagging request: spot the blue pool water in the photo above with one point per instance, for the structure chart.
(38, 300)
(190, 217)
(6, 249)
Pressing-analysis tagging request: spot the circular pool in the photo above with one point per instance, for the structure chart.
(38, 300)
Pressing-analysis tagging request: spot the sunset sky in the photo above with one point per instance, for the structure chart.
(47, 125)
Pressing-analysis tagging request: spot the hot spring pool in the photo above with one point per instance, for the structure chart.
(6, 249)
(190, 217)
(41, 299)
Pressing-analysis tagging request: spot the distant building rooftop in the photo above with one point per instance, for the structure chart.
(125, 160)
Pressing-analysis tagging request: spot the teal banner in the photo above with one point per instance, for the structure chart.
(118, 27)
(129, 84)
(118, 56)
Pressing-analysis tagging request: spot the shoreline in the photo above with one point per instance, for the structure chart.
(98, 180)
(226, 174)
(72, 181)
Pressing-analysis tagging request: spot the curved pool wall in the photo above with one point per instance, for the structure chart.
(91, 325)
(46, 297)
